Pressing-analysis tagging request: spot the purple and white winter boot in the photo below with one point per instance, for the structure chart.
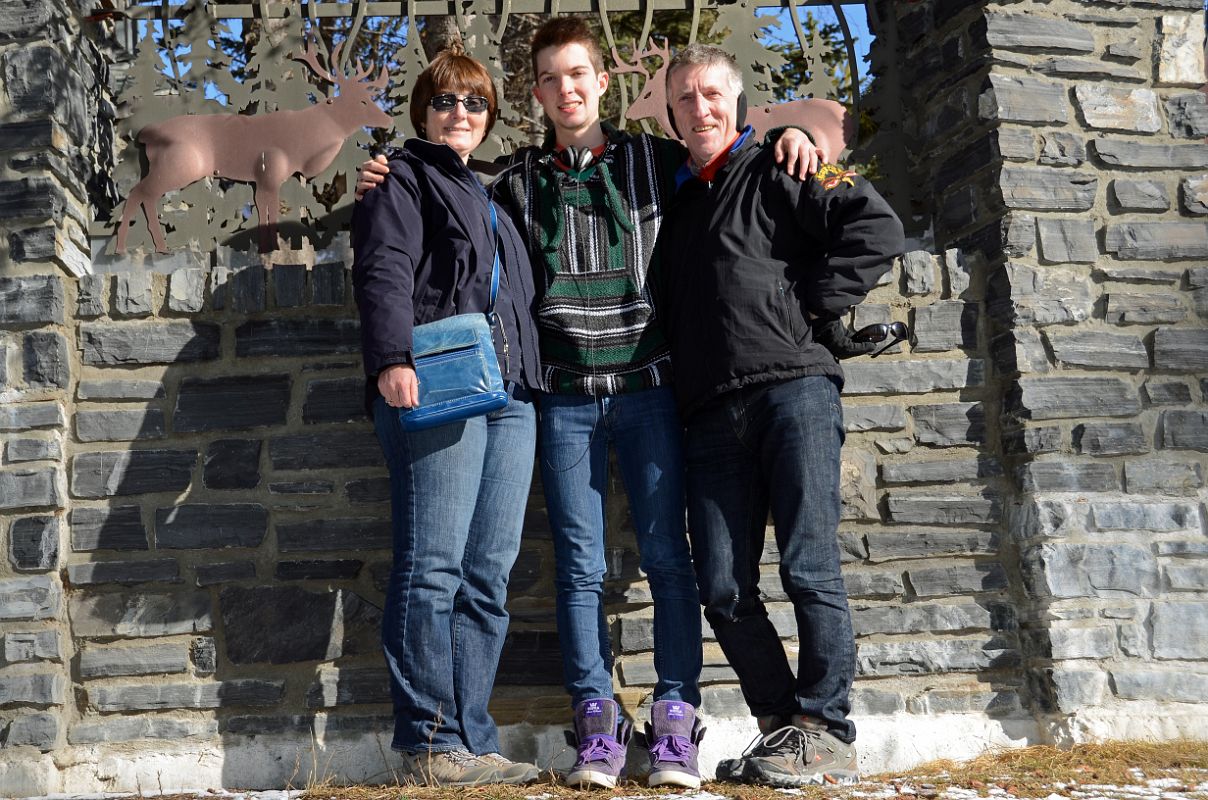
(600, 736)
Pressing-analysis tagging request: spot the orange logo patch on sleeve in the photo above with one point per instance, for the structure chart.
(831, 175)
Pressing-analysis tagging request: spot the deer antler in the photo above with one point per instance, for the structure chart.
(310, 57)
(625, 67)
(663, 52)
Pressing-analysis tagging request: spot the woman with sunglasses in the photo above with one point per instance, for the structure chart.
(425, 246)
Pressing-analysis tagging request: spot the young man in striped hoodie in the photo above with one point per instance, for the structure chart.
(589, 202)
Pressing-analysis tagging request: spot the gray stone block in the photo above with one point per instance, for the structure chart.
(869, 583)
(229, 572)
(204, 655)
(874, 417)
(187, 290)
(148, 342)
(286, 625)
(26, 416)
(120, 390)
(1140, 195)
(194, 526)
(220, 694)
(945, 325)
(1139, 155)
(1062, 397)
(1026, 295)
(1156, 517)
(1151, 686)
(957, 579)
(1068, 240)
(24, 450)
(23, 19)
(112, 528)
(1159, 477)
(34, 199)
(329, 569)
(115, 473)
(293, 338)
(160, 570)
(19, 647)
(33, 544)
(1012, 98)
(1019, 234)
(1033, 441)
(1075, 689)
(955, 470)
(1118, 109)
(32, 730)
(1180, 57)
(1148, 273)
(950, 509)
(128, 729)
(327, 284)
(1188, 115)
(232, 464)
(117, 660)
(334, 534)
(935, 656)
(32, 598)
(45, 360)
(377, 490)
(31, 300)
(1156, 241)
(342, 687)
(30, 488)
(928, 544)
(1187, 577)
(1143, 309)
(119, 426)
(1095, 349)
(1090, 570)
(1071, 67)
(913, 377)
(1058, 148)
(1016, 143)
(301, 487)
(1082, 642)
(946, 424)
(90, 295)
(1194, 193)
(232, 403)
(1126, 51)
(1037, 32)
(1180, 630)
(334, 400)
(289, 283)
(133, 294)
(247, 289)
(1110, 439)
(917, 618)
(325, 451)
(1067, 476)
(40, 689)
(140, 614)
(1040, 189)
(1180, 349)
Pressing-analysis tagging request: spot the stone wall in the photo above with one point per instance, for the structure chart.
(195, 515)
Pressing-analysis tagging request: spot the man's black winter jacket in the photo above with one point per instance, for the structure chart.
(746, 259)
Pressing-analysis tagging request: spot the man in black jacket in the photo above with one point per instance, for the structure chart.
(758, 271)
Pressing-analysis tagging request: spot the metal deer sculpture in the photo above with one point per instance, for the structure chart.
(264, 149)
(828, 123)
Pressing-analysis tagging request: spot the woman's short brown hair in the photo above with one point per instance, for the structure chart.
(451, 71)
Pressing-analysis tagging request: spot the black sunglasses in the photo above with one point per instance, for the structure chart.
(879, 332)
(474, 103)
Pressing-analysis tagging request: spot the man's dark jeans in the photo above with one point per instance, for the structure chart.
(774, 446)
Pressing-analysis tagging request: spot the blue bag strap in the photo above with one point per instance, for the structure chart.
(495, 265)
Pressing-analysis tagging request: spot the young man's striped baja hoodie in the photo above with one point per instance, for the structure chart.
(590, 236)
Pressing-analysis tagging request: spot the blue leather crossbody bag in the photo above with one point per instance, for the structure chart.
(456, 364)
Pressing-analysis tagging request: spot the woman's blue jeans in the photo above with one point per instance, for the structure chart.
(774, 446)
(458, 494)
(644, 429)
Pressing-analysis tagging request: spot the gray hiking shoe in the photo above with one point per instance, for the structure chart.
(801, 756)
(453, 768)
(512, 771)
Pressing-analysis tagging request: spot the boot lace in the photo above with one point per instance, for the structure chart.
(598, 748)
(788, 741)
(672, 748)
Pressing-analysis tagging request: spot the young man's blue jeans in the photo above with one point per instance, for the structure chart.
(458, 493)
(644, 429)
(774, 446)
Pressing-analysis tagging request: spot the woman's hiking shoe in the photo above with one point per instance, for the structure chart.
(673, 736)
(801, 756)
(454, 768)
(599, 737)
(512, 771)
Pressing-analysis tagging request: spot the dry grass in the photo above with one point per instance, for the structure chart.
(1037, 771)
